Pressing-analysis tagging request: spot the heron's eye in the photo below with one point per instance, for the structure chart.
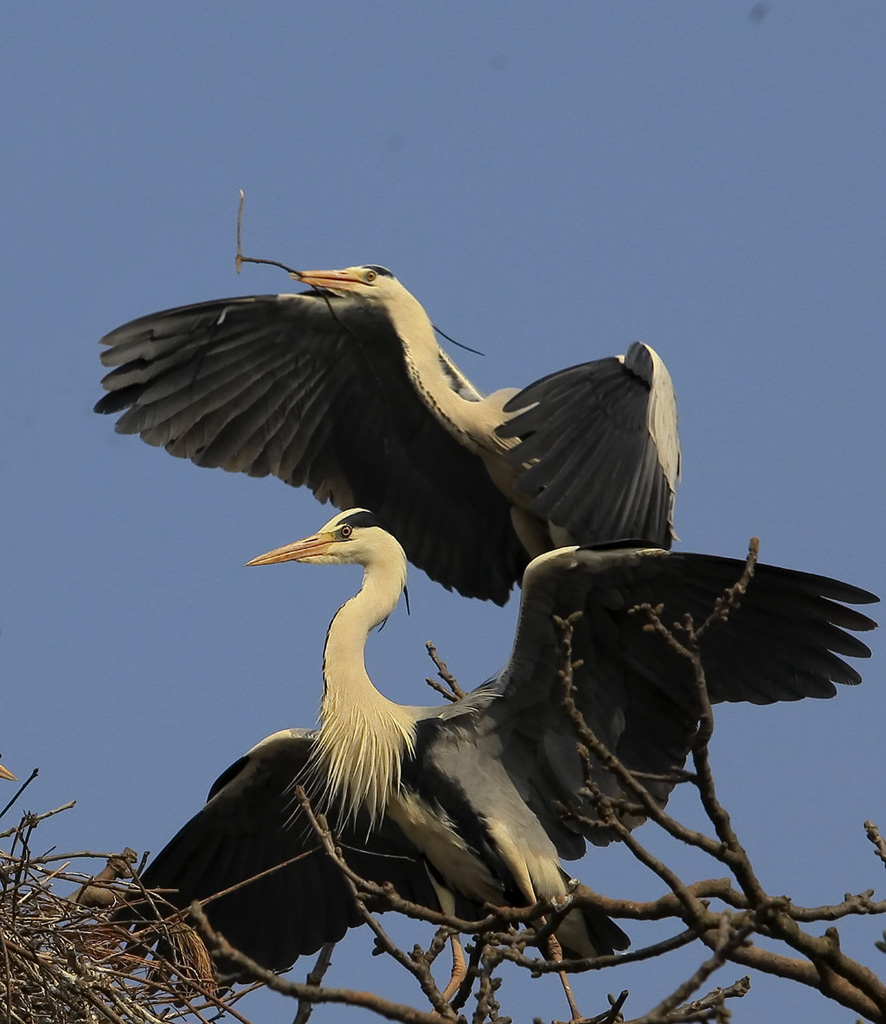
(369, 276)
(345, 531)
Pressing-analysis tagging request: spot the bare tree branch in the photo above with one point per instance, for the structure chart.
(824, 967)
(873, 833)
(64, 961)
(219, 946)
(451, 691)
(314, 978)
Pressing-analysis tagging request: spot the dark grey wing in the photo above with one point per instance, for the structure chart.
(785, 641)
(313, 389)
(251, 824)
(600, 446)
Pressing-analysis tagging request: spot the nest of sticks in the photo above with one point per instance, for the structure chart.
(65, 959)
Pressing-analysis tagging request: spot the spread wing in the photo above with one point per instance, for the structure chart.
(251, 824)
(601, 449)
(313, 389)
(787, 640)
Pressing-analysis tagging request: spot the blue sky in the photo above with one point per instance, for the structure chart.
(553, 182)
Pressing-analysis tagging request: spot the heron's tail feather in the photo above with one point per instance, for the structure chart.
(588, 932)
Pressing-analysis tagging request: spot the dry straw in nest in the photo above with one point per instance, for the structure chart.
(64, 960)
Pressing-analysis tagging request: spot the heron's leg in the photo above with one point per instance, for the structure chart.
(459, 967)
(555, 952)
(520, 871)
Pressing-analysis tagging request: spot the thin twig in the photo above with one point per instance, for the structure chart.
(240, 259)
(454, 691)
(314, 978)
(414, 965)
(220, 947)
(873, 833)
(20, 790)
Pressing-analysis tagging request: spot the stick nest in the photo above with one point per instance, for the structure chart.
(65, 960)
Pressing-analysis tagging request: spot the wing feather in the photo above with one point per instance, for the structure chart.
(313, 388)
(250, 824)
(785, 641)
(598, 448)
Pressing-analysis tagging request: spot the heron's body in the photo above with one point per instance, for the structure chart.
(346, 390)
(418, 766)
(460, 802)
(461, 809)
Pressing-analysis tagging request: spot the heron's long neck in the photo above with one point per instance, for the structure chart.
(466, 413)
(363, 735)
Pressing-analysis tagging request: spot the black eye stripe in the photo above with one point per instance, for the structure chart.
(360, 520)
(381, 271)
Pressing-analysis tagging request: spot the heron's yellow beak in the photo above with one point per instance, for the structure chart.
(318, 544)
(332, 279)
(5, 773)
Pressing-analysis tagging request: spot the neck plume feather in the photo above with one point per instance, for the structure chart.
(363, 736)
(465, 412)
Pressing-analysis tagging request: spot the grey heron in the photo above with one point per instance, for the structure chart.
(460, 802)
(344, 389)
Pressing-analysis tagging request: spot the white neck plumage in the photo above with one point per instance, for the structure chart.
(363, 736)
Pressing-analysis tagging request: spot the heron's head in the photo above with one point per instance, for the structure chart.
(355, 536)
(370, 283)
